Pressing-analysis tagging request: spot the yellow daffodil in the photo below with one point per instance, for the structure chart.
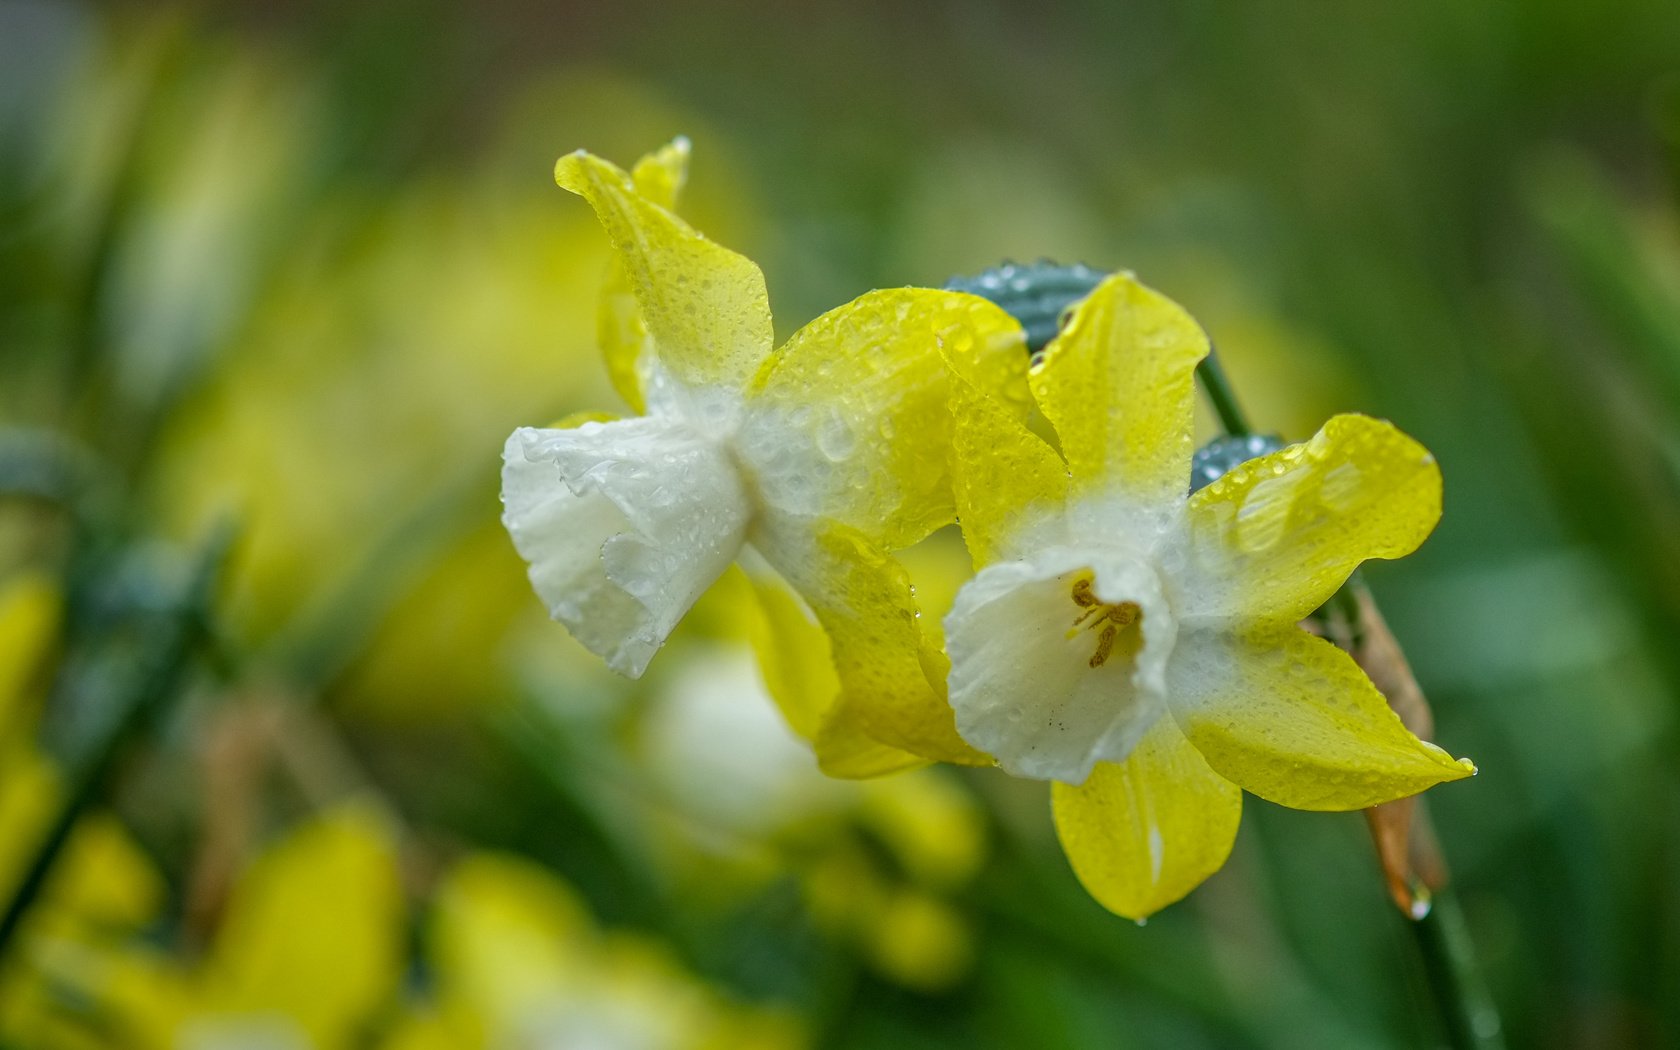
(1140, 647)
(817, 460)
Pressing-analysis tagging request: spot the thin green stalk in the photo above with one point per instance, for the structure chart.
(1222, 396)
(152, 692)
(1468, 1017)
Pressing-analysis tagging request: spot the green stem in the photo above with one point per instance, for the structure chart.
(151, 693)
(1468, 1016)
(1222, 396)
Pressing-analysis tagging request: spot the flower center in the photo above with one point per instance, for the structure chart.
(1117, 624)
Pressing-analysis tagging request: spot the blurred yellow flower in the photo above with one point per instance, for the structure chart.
(1141, 649)
(518, 964)
(307, 953)
(817, 459)
(29, 612)
(746, 803)
(102, 887)
(389, 338)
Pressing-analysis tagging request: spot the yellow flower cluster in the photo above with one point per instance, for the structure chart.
(1135, 645)
(309, 952)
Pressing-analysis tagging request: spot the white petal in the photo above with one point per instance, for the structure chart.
(1022, 684)
(624, 525)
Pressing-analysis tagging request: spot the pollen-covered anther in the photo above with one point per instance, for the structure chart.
(1107, 619)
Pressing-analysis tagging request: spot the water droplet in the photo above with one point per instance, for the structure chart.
(835, 439)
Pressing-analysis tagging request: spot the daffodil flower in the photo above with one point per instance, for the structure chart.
(812, 460)
(1139, 647)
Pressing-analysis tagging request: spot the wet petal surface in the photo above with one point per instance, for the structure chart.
(705, 307)
(1144, 832)
(850, 420)
(1119, 386)
(1273, 539)
(623, 525)
(1293, 719)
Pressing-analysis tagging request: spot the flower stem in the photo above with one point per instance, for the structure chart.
(1468, 1017)
(1222, 396)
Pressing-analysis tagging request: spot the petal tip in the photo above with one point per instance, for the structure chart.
(1452, 768)
(565, 169)
(578, 169)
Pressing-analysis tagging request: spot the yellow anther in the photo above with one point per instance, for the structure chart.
(1108, 620)
(1105, 645)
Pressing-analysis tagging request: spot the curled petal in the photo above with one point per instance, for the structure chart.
(623, 334)
(705, 308)
(1293, 719)
(659, 176)
(797, 666)
(1047, 686)
(1273, 539)
(1144, 832)
(891, 676)
(845, 751)
(624, 525)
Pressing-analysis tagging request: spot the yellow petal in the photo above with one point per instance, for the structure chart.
(845, 751)
(1118, 384)
(141, 993)
(314, 930)
(891, 678)
(507, 936)
(865, 388)
(30, 791)
(1275, 537)
(931, 823)
(1142, 833)
(658, 177)
(1005, 479)
(798, 670)
(623, 336)
(105, 876)
(422, 1030)
(920, 941)
(29, 614)
(1293, 719)
(578, 419)
(790, 645)
(705, 307)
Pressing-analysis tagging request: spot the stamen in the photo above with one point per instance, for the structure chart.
(1096, 615)
(1082, 595)
(1105, 645)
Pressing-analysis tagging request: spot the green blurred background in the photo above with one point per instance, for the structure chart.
(290, 272)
